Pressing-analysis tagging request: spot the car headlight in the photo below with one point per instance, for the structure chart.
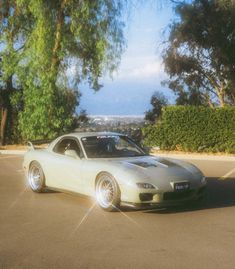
(145, 186)
(203, 180)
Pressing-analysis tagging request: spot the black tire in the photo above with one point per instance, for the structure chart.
(108, 193)
(36, 177)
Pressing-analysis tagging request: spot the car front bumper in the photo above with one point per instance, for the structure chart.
(165, 199)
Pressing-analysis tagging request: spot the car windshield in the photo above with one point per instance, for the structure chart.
(110, 146)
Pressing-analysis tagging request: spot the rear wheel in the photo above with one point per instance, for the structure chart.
(107, 192)
(36, 177)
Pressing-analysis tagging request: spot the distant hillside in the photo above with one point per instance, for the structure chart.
(130, 125)
(115, 119)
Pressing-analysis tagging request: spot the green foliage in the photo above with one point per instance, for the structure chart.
(195, 129)
(158, 101)
(82, 118)
(200, 56)
(85, 34)
(10, 56)
(47, 49)
(47, 122)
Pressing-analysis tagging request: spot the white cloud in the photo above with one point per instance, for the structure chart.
(139, 69)
(148, 70)
(132, 69)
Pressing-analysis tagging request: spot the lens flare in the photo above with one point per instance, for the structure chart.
(83, 219)
(129, 218)
(17, 198)
(227, 174)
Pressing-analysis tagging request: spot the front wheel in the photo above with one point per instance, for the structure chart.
(107, 192)
(36, 177)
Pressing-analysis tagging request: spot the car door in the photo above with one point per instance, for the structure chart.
(66, 171)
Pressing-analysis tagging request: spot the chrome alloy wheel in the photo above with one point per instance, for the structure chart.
(36, 177)
(107, 191)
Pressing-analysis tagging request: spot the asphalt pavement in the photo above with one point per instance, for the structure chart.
(56, 230)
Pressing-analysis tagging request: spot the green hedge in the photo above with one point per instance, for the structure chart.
(194, 129)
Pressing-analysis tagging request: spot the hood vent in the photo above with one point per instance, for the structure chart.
(144, 164)
(153, 162)
(167, 162)
(163, 163)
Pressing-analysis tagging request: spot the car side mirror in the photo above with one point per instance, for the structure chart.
(71, 153)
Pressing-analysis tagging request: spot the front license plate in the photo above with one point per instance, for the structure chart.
(181, 186)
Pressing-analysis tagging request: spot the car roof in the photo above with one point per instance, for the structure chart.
(89, 134)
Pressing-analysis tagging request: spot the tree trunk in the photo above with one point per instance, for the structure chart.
(208, 100)
(5, 109)
(4, 114)
(58, 38)
(221, 98)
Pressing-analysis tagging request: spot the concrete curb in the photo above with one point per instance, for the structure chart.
(12, 152)
(170, 155)
(198, 157)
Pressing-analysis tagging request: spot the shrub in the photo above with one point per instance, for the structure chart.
(195, 129)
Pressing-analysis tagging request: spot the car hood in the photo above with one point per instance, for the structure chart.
(160, 171)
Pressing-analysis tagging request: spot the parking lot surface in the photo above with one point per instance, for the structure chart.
(56, 230)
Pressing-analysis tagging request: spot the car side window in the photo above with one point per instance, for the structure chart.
(67, 144)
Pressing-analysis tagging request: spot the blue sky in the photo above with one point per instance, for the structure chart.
(140, 72)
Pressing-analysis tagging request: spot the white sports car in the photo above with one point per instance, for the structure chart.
(114, 170)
